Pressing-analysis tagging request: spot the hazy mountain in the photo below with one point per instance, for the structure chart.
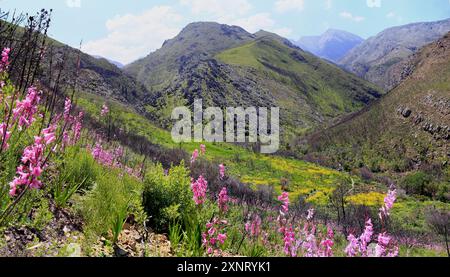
(407, 128)
(331, 45)
(116, 63)
(227, 66)
(375, 57)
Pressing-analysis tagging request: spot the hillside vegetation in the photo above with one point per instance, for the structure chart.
(246, 69)
(407, 131)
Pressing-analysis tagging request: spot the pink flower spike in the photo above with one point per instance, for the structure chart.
(199, 188)
(284, 198)
(221, 171)
(203, 149)
(105, 110)
(4, 136)
(194, 156)
(223, 200)
(67, 109)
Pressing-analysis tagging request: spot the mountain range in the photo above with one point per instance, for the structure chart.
(227, 66)
(407, 129)
(374, 59)
(332, 45)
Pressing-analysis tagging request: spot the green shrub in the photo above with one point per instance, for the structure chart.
(416, 183)
(77, 170)
(113, 198)
(167, 197)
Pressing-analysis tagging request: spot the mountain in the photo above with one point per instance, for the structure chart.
(374, 58)
(331, 45)
(405, 130)
(227, 66)
(116, 63)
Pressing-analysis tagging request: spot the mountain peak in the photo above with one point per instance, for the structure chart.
(203, 28)
(331, 45)
(374, 59)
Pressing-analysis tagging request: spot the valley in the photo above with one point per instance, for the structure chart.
(89, 166)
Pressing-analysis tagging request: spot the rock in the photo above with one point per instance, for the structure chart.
(406, 112)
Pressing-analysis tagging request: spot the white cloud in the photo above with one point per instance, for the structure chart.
(218, 8)
(254, 23)
(260, 21)
(374, 3)
(133, 36)
(329, 4)
(73, 3)
(289, 5)
(352, 17)
(234, 12)
(284, 32)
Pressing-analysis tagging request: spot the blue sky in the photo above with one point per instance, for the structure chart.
(127, 30)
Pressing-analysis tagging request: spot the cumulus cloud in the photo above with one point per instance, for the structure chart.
(133, 36)
(73, 3)
(218, 8)
(255, 22)
(350, 16)
(289, 5)
(374, 3)
(234, 12)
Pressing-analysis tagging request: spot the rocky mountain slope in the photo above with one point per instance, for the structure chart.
(406, 129)
(226, 66)
(96, 75)
(375, 58)
(332, 45)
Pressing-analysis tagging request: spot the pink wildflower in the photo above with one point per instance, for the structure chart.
(366, 237)
(290, 247)
(310, 214)
(382, 244)
(221, 171)
(389, 201)
(214, 235)
(284, 198)
(221, 238)
(4, 136)
(32, 163)
(77, 127)
(4, 63)
(352, 248)
(199, 188)
(105, 110)
(26, 108)
(194, 156)
(327, 244)
(67, 109)
(49, 134)
(203, 149)
(253, 227)
(223, 200)
(310, 245)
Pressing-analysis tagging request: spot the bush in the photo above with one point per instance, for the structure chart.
(416, 183)
(77, 171)
(167, 197)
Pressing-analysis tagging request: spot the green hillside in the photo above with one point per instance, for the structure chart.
(248, 70)
(406, 132)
